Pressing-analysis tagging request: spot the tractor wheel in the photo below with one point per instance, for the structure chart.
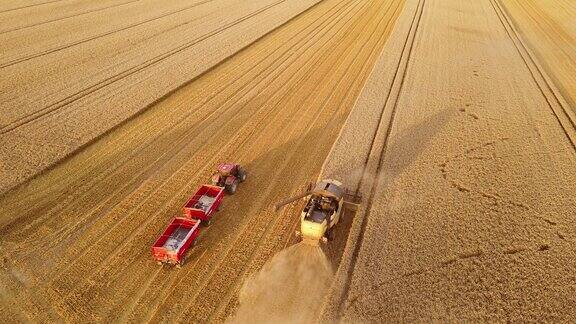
(231, 189)
(242, 174)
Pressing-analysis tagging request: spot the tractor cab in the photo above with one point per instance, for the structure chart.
(228, 175)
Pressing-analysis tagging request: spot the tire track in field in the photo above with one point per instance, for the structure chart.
(377, 152)
(126, 73)
(352, 277)
(532, 11)
(563, 41)
(89, 39)
(140, 292)
(165, 288)
(556, 103)
(130, 71)
(67, 17)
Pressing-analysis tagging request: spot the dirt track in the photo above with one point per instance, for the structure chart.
(468, 178)
(75, 240)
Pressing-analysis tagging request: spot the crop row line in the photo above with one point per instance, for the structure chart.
(30, 6)
(386, 120)
(63, 18)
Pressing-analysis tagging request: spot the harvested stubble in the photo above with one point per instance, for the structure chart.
(77, 238)
(68, 79)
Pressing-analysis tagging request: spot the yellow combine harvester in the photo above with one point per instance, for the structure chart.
(322, 211)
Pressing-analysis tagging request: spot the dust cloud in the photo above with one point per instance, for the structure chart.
(290, 288)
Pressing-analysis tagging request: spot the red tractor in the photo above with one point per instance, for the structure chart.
(228, 175)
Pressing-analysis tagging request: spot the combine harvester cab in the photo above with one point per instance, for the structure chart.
(205, 202)
(323, 210)
(171, 246)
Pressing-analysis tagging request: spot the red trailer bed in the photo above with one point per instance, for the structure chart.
(204, 203)
(171, 246)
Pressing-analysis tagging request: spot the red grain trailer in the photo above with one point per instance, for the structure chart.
(171, 246)
(205, 202)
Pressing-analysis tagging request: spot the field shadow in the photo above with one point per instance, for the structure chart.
(409, 144)
(405, 148)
